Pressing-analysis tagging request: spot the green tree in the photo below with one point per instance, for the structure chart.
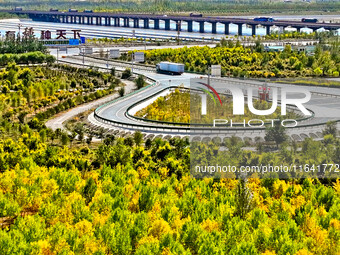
(138, 138)
(64, 138)
(276, 133)
(140, 82)
(89, 190)
(126, 73)
(121, 91)
(330, 129)
(243, 198)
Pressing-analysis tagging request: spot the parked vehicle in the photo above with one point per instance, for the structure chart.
(88, 11)
(18, 9)
(196, 14)
(267, 19)
(72, 10)
(170, 68)
(53, 10)
(309, 20)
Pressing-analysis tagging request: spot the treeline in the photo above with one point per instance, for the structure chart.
(240, 61)
(26, 58)
(21, 45)
(24, 51)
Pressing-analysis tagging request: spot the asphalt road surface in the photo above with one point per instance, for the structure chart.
(324, 103)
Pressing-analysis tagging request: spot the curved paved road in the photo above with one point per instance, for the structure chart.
(325, 103)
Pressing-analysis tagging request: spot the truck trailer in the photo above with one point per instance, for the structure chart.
(170, 68)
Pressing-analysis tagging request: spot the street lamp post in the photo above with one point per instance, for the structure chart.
(19, 26)
(179, 24)
(57, 55)
(132, 58)
(209, 72)
(107, 59)
(83, 52)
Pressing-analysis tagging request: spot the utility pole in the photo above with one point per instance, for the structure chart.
(19, 26)
(178, 30)
(107, 59)
(132, 57)
(209, 71)
(83, 57)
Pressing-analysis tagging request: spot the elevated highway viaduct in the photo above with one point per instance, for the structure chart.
(153, 21)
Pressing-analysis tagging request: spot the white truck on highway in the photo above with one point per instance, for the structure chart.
(170, 68)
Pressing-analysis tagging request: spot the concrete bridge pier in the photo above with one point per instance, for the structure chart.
(126, 22)
(268, 30)
(239, 29)
(146, 23)
(253, 29)
(178, 25)
(201, 26)
(117, 22)
(167, 24)
(213, 27)
(189, 22)
(136, 23)
(156, 24)
(333, 30)
(226, 28)
(298, 29)
(107, 21)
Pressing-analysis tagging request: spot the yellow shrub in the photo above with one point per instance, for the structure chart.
(337, 186)
(210, 225)
(159, 228)
(84, 227)
(303, 252)
(268, 253)
(133, 204)
(143, 173)
(279, 187)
